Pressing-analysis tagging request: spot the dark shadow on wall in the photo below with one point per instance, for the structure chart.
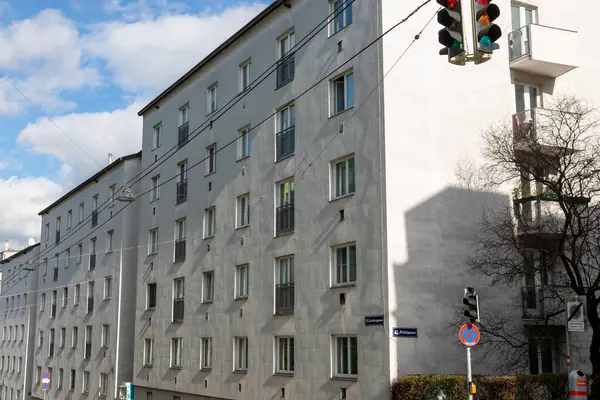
(440, 233)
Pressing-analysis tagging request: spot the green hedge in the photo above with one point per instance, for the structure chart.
(454, 387)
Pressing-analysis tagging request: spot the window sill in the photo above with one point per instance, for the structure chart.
(176, 367)
(240, 371)
(239, 228)
(345, 196)
(286, 374)
(206, 369)
(181, 202)
(282, 84)
(336, 32)
(155, 200)
(341, 112)
(285, 157)
(210, 173)
(148, 365)
(206, 302)
(343, 285)
(243, 158)
(241, 298)
(104, 347)
(150, 308)
(345, 378)
(283, 313)
(283, 234)
(109, 251)
(106, 298)
(210, 113)
(209, 237)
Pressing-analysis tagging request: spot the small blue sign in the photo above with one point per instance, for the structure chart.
(405, 332)
(374, 320)
(45, 386)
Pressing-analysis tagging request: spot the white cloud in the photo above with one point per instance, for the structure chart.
(21, 200)
(150, 55)
(133, 10)
(118, 132)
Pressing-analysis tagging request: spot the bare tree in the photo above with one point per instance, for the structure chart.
(550, 234)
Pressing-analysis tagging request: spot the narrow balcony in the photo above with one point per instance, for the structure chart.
(543, 50)
(180, 250)
(181, 192)
(183, 133)
(285, 70)
(94, 218)
(285, 142)
(284, 298)
(178, 308)
(285, 219)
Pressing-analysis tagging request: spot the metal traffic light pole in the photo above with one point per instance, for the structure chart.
(469, 334)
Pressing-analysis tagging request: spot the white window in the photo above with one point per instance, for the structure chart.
(241, 353)
(211, 98)
(45, 267)
(65, 296)
(74, 334)
(60, 378)
(243, 142)
(109, 240)
(67, 258)
(244, 76)
(184, 115)
(47, 232)
(40, 338)
(69, 219)
(81, 210)
(243, 210)
(19, 361)
(107, 287)
(76, 294)
(72, 380)
(111, 193)
(208, 286)
(345, 356)
(58, 221)
(285, 355)
(95, 202)
(182, 170)
(343, 178)
(176, 352)
(153, 241)
(178, 288)
(209, 222)
(206, 353)
(150, 296)
(148, 351)
(211, 159)
(155, 188)
(527, 98)
(341, 15)
(63, 337)
(286, 118)
(38, 374)
(85, 385)
(105, 336)
(22, 333)
(344, 264)
(156, 135)
(241, 281)
(79, 252)
(285, 44)
(180, 229)
(43, 302)
(342, 92)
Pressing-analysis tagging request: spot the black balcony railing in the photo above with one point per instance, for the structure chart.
(285, 141)
(88, 351)
(55, 274)
(285, 70)
(53, 310)
(182, 136)
(51, 350)
(90, 305)
(57, 237)
(94, 218)
(178, 310)
(285, 218)
(92, 260)
(181, 191)
(284, 298)
(180, 250)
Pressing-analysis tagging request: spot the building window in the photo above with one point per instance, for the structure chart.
(208, 288)
(81, 212)
(51, 343)
(90, 297)
(60, 378)
(284, 287)
(178, 299)
(92, 254)
(76, 295)
(343, 178)
(79, 252)
(182, 170)
(342, 92)
(85, 385)
(107, 287)
(150, 296)
(241, 354)
(103, 384)
(45, 267)
(38, 375)
(63, 337)
(211, 98)
(345, 356)
(243, 142)
(111, 193)
(67, 258)
(47, 232)
(87, 353)
(74, 334)
(285, 355)
(344, 264)
(541, 355)
(176, 352)
(156, 135)
(153, 241)
(105, 336)
(341, 17)
(65, 296)
(243, 210)
(22, 333)
(209, 222)
(19, 363)
(72, 380)
(211, 159)
(184, 126)
(58, 220)
(43, 302)
(285, 140)
(155, 188)
(245, 75)
(184, 115)
(284, 218)
(241, 281)
(109, 240)
(180, 240)
(148, 352)
(69, 219)
(285, 59)
(206, 353)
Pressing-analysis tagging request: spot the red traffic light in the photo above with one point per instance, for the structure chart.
(483, 2)
(448, 3)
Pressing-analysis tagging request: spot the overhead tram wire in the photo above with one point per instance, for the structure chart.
(221, 112)
(271, 115)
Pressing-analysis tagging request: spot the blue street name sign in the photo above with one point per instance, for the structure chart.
(405, 332)
(374, 320)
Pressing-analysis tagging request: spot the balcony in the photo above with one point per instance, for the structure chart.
(285, 219)
(90, 305)
(88, 351)
(285, 70)
(285, 142)
(284, 298)
(94, 218)
(55, 276)
(543, 304)
(181, 192)
(92, 260)
(178, 310)
(183, 133)
(180, 250)
(539, 214)
(543, 50)
(53, 310)
(57, 238)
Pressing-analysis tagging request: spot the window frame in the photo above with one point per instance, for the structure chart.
(156, 135)
(244, 74)
(336, 281)
(211, 159)
(176, 353)
(243, 211)
(206, 347)
(243, 143)
(290, 355)
(155, 188)
(105, 336)
(148, 352)
(336, 373)
(107, 290)
(333, 94)
(69, 219)
(240, 343)
(208, 286)
(85, 382)
(153, 241)
(349, 179)
(74, 337)
(210, 218)
(335, 25)
(184, 114)
(242, 291)
(148, 285)
(211, 103)
(110, 236)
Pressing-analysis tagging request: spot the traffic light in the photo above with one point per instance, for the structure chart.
(471, 300)
(486, 32)
(451, 36)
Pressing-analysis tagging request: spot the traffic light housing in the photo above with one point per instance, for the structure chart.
(471, 301)
(451, 36)
(485, 33)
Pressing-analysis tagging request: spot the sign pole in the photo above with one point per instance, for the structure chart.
(469, 376)
(567, 342)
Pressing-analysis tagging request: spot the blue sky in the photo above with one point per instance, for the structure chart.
(88, 66)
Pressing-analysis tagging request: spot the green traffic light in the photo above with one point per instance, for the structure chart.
(485, 41)
(456, 45)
